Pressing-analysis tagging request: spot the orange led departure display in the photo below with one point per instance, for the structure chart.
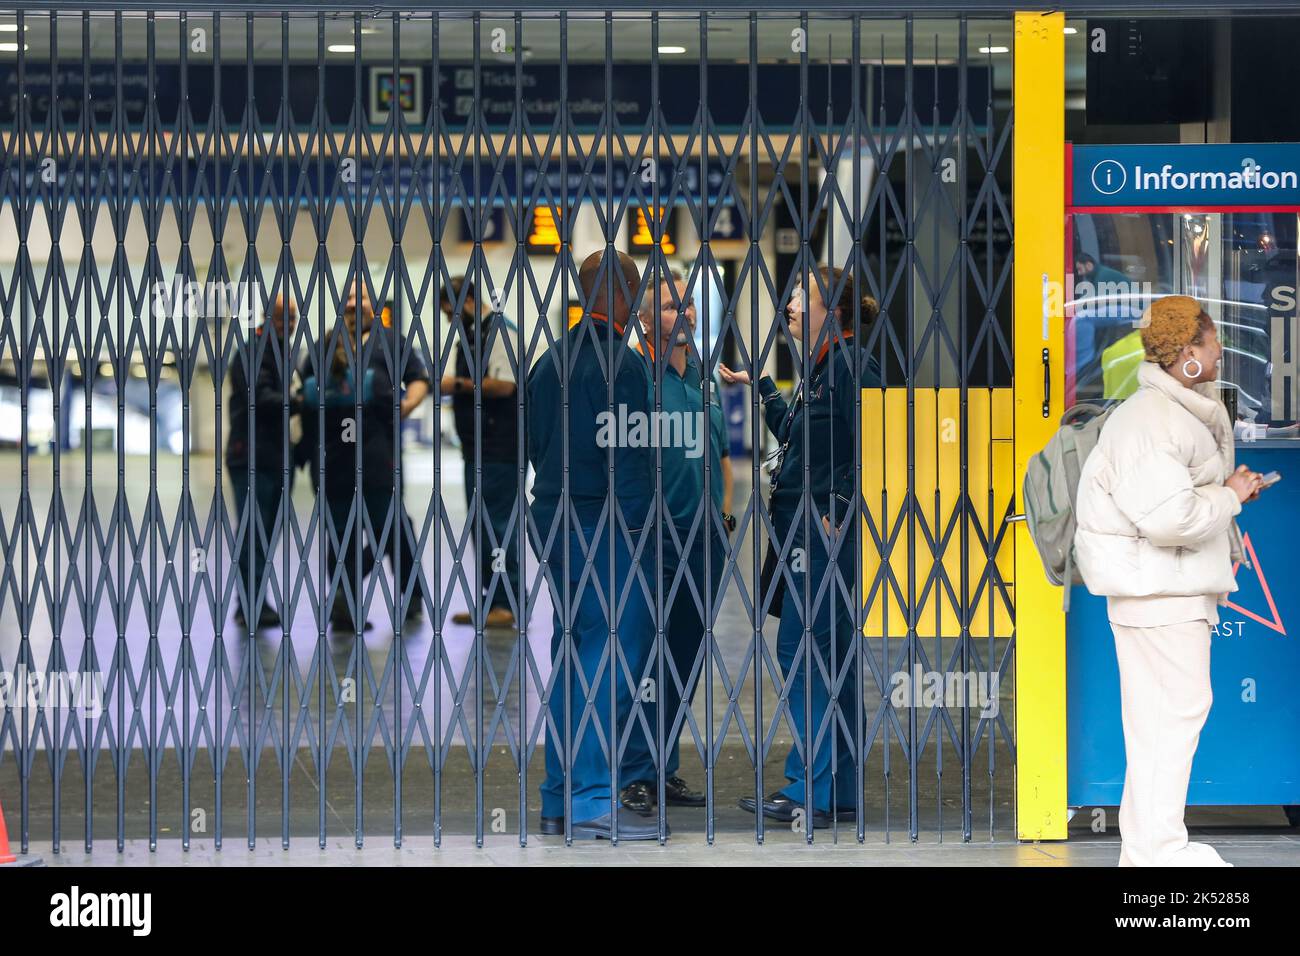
(642, 238)
(545, 232)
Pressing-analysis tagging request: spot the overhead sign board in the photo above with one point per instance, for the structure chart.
(1185, 176)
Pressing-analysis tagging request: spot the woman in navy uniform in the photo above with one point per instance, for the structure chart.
(336, 388)
(826, 413)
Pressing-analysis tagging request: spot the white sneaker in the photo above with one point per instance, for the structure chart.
(1197, 854)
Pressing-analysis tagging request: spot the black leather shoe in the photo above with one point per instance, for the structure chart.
(266, 619)
(779, 807)
(341, 619)
(552, 826)
(639, 797)
(343, 624)
(678, 794)
(630, 827)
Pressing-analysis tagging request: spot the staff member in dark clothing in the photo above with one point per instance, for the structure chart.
(335, 388)
(264, 444)
(498, 451)
(415, 387)
(577, 739)
(1104, 312)
(826, 411)
(681, 399)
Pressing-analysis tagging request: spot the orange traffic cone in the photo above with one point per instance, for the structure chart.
(5, 855)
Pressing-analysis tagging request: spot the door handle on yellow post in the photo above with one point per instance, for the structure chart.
(1047, 383)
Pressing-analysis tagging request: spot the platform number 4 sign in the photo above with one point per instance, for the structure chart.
(726, 224)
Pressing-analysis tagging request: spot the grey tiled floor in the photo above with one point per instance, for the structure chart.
(328, 799)
(331, 797)
(731, 849)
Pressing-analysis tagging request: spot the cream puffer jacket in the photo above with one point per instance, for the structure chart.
(1154, 517)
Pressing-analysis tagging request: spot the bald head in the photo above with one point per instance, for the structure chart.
(283, 315)
(595, 278)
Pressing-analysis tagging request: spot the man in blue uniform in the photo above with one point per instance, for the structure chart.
(685, 544)
(601, 503)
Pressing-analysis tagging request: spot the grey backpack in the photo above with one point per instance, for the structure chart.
(1051, 487)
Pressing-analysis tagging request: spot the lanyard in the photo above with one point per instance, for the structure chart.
(778, 457)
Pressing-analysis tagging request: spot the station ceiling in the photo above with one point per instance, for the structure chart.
(728, 39)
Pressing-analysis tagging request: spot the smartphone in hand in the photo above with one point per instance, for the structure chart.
(1270, 478)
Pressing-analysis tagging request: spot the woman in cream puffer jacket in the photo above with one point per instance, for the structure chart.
(1154, 515)
(1157, 537)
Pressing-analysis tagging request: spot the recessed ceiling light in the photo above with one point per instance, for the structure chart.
(13, 47)
(342, 48)
(1071, 31)
(367, 31)
(995, 49)
(10, 27)
(903, 61)
(672, 49)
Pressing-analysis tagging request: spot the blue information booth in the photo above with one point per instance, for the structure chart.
(1217, 222)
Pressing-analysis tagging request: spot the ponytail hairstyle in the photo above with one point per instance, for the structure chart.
(843, 290)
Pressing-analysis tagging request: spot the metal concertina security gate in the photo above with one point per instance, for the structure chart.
(289, 156)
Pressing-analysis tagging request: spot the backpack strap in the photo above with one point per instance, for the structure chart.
(1068, 578)
(1083, 412)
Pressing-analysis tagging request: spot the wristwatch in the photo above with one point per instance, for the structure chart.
(729, 521)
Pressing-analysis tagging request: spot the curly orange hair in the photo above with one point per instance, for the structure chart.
(1171, 324)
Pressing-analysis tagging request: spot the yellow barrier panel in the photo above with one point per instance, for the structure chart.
(991, 480)
(1038, 204)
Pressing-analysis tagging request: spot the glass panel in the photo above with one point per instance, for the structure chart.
(1120, 263)
(1258, 320)
(1242, 266)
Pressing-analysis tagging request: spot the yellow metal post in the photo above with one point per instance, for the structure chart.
(1038, 205)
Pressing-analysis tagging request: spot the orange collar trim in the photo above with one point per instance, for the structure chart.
(604, 318)
(826, 346)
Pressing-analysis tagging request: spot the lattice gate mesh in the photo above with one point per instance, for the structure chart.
(174, 186)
